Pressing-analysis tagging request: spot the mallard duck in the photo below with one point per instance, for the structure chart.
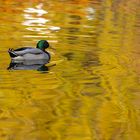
(29, 53)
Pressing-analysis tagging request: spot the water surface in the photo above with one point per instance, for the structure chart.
(90, 89)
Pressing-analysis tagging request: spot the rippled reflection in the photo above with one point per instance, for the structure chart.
(34, 20)
(37, 23)
(28, 65)
(90, 88)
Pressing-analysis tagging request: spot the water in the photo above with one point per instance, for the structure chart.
(90, 89)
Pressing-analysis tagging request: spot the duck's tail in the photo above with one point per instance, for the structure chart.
(12, 53)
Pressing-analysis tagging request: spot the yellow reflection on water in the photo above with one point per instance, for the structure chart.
(90, 90)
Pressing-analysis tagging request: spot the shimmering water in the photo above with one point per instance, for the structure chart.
(90, 89)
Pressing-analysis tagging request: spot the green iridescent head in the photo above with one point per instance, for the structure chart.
(42, 44)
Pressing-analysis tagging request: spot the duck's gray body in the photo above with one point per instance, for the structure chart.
(28, 53)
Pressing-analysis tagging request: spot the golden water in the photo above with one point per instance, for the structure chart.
(90, 89)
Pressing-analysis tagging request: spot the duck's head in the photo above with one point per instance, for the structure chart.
(42, 44)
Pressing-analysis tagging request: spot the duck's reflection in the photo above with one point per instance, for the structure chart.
(39, 65)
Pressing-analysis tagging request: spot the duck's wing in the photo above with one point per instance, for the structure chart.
(22, 51)
(23, 48)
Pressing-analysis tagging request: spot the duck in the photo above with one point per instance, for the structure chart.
(29, 53)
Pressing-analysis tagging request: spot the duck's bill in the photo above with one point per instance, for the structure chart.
(52, 48)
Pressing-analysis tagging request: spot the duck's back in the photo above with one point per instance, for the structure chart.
(22, 51)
